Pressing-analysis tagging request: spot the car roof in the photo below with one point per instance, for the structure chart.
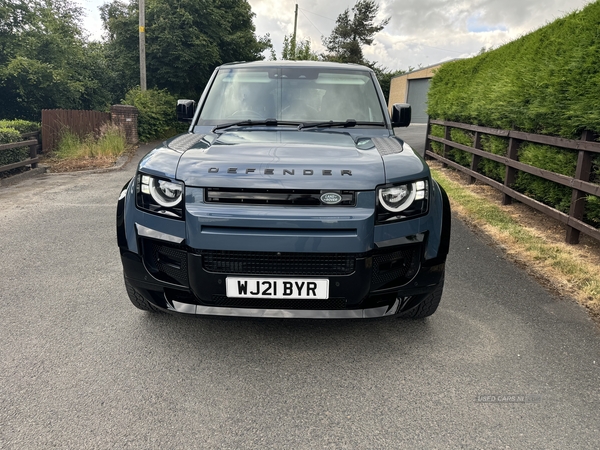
(306, 64)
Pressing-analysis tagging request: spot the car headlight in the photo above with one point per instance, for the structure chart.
(160, 195)
(401, 201)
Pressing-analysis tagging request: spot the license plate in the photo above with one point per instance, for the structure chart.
(277, 288)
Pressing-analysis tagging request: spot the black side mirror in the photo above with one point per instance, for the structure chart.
(185, 110)
(401, 114)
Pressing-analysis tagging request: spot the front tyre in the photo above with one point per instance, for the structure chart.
(428, 306)
(139, 301)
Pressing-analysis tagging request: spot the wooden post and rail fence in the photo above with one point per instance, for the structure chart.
(580, 183)
(31, 140)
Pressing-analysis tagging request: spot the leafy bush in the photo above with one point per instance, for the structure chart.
(157, 118)
(7, 136)
(592, 210)
(22, 126)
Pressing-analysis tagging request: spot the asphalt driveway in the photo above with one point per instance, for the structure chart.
(502, 364)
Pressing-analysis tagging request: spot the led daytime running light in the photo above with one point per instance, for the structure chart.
(165, 193)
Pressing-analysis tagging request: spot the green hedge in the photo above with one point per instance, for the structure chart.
(547, 82)
(157, 117)
(22, 126)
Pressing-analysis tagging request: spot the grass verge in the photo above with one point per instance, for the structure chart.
(91, 152)
(559, 265)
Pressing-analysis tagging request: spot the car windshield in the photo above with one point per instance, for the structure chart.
(295, 94)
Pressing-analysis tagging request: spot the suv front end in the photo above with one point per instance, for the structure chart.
(286, 216)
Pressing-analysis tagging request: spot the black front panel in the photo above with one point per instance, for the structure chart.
(267, 263)
(351, 276)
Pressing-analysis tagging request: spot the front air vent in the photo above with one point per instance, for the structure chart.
(265, 263)
(292, 197)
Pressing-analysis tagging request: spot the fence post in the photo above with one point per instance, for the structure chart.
(33, 154)
(447, 148)
(511, 173)
(475, 158)
(427, 141)
(583, 172)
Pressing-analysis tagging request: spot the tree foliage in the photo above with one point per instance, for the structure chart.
(156, 110)
(185, 41)
(352, 31)
(298, 51)
(46, 61)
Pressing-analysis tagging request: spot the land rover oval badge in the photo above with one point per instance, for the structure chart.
(331, 198)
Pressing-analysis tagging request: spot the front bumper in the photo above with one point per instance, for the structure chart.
(390, 270)
(379, 284)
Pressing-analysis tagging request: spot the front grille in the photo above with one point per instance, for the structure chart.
(288, 303)
(290, 197)
(264, 263)
(400, 265)
(167, 263)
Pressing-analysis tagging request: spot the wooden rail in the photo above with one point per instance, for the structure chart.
(580, 183)
(34, 146)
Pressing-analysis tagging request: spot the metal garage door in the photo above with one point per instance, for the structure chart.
(417, 97)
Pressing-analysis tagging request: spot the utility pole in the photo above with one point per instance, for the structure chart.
(142, 7)
(294, 35)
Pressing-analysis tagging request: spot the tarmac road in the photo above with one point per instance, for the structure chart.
(80, 367)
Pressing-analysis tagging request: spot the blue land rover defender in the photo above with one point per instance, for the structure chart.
(290, 196)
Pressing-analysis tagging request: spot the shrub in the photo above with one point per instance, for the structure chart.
(22, 126)
(592, 210)
(157, 118)
(7, 136)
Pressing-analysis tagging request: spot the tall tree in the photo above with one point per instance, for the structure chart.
(185, 41)
(352, 31)
(301, 52)
(46, 61)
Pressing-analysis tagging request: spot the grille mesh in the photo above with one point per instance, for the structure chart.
(399, 264)
(278, 263)
(288, 303)
(167, 260)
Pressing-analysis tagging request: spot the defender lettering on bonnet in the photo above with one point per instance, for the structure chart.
(306, 172)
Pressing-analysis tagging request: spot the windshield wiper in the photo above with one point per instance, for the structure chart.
(347, 124)
(252, 123)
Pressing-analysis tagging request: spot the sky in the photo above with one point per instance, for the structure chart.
(420, 33)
